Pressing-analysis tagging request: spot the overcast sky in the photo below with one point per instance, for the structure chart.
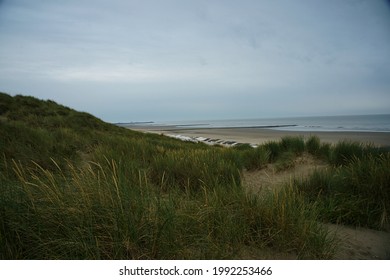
(199, 59)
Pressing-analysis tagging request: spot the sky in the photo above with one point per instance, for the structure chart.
(145, 60)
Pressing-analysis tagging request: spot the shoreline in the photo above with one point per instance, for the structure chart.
(261, 135)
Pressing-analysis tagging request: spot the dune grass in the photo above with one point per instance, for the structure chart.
(99, 212)
(74, 187)
(357, 193)
(251, 158)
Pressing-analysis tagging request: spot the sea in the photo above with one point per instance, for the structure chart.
(357, 123)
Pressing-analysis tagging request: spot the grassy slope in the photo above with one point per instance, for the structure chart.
(73, 186)
(37, 130)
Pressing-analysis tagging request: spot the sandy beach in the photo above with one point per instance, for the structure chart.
(258, 136)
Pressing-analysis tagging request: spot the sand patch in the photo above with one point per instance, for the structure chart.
(361, 243)
(270, 178)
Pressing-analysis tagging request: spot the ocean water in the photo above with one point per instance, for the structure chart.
(368, 123)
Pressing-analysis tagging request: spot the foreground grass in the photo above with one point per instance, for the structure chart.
(73, 187)
(99, 212)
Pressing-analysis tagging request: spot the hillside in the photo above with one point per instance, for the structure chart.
(38, 130)
(75, 187)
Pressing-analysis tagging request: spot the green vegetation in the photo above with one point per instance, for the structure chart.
(251, 158)
(74, 187)
(356, 194)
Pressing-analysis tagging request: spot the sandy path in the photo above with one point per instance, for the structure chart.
(361, 243)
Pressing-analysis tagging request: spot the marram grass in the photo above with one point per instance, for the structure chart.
(95, 212)
(357, 193)
(74, 187)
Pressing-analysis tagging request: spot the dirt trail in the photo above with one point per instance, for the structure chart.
(354, 243)
(361, 243)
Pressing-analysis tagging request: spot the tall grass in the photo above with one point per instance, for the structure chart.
(284, 152)
(345, 151)
(194, 169)
(293, 224)
(320, 150)
(97, 212)
(89, 214)
(355, 194)
(251, 158)
(74, 187)
(355, 189)
(313, 145)
(152, 197)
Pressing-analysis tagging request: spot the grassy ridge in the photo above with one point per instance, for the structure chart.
(40, 130)
(74, 187)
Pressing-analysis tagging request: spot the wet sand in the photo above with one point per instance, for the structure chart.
(261, 135)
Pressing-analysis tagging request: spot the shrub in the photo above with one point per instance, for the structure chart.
(6, 103)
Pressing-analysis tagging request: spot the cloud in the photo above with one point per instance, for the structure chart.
(125, 73)
(221, 58)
